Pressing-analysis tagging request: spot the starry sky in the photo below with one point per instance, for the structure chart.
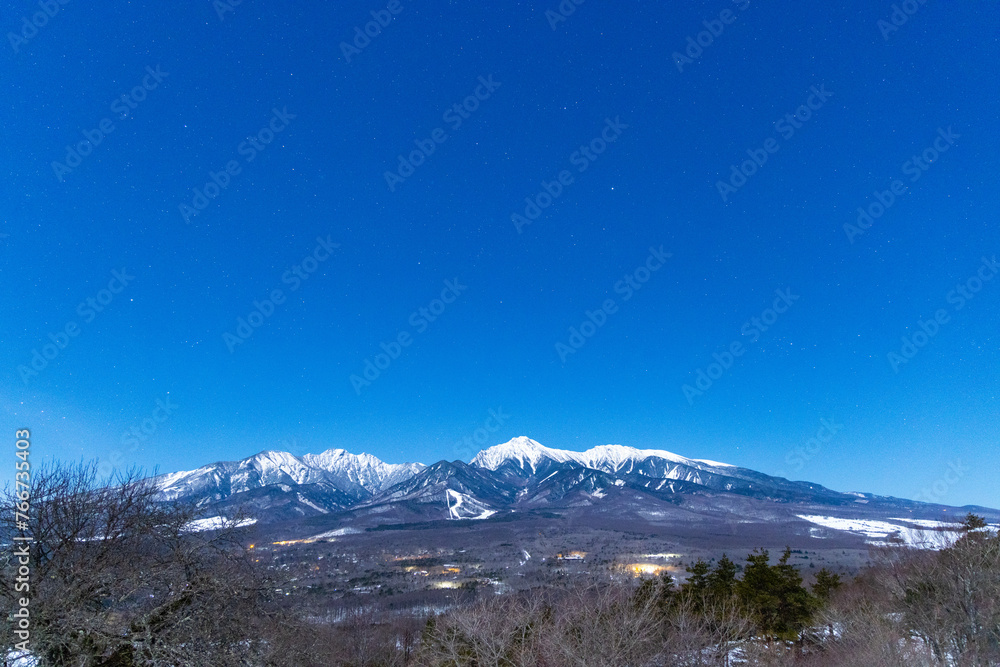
(751, 232)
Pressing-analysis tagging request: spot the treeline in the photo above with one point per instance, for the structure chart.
(118, 581)
(713, 618)
(910, 608)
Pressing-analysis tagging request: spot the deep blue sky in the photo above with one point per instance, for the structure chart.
(288, 386)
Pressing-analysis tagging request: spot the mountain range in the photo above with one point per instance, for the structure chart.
(519, 476)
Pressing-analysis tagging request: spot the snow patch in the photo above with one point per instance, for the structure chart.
(216, 523)
(927, 523)
(306, 501)
(885, 533)
(17, 658)
(335, 533)
(461, 506)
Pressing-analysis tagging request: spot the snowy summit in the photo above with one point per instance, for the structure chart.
(528, 454)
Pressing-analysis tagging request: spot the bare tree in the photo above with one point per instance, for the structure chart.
(496, 632)
(604, 625)
(120, 580)
(922, 607)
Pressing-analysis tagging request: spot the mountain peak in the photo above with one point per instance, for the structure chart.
(528, 453)
(522, 449)
(276, 456)
(618, 454)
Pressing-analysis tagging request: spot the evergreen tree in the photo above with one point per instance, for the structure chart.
(757, 590)
(659, 592)
(826, 583)
(697, 583)
(774, 595)
(665, 593)
(795, 604)
(722, 580)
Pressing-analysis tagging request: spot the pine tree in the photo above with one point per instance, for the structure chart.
(826, 583)
(696, 587)
(665, 593)
(774, 595)
(658, 592)
(697, 583)
(722, 580)
(796, 604)
(757, 591)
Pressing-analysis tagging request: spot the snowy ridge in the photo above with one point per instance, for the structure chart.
(228, 477)
(360, 474)
(364, 470)
(528, 454)
(519, 470)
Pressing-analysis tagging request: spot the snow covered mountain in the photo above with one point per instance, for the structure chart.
(529, 454)
(362, 471)
(520, 475)
(523, 461)
(337, 472)
(362, 477)
(526, 458)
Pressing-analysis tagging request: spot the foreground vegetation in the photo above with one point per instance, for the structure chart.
(118, 581)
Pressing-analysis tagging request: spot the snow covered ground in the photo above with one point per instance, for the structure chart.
(335, 533)
(922, 534)
(461, 506)
(20, 659)
(216, 523)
